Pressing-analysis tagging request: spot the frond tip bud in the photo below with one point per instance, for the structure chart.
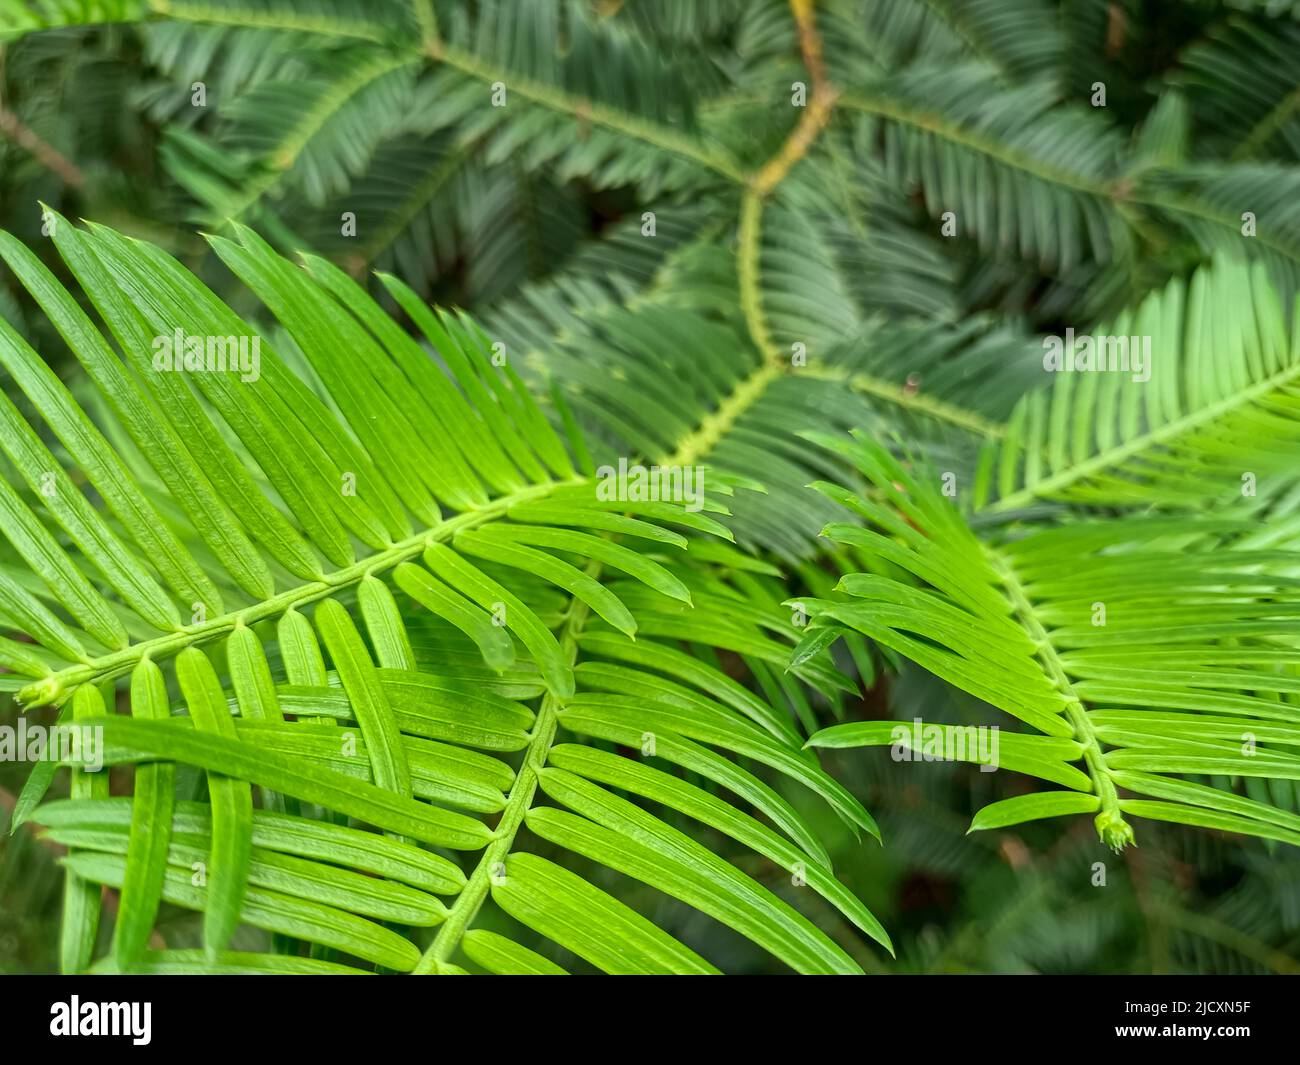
(1114, 831)
(41, 692)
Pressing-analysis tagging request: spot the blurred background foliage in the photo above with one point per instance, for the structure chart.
(168, 118)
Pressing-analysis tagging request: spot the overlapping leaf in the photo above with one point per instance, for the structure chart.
(386, 613)
(1147, 655)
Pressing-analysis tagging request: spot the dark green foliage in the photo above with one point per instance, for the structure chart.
(700, 234)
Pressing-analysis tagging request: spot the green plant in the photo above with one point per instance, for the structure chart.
(528, 552)
(713, 235)
(1136, 647)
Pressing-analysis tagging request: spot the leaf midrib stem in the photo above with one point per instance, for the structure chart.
(1113, 456)
(119, 662)
(1267, 127)
(555, 99)
(724, 416)
(1093, 756)
(920, 402)
(273, 20)
(520, 801)
(899, 111)
(286, 154)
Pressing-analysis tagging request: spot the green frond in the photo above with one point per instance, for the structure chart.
(19, 17)
(392, 675)
(623, 268)
(743, 417)
(410, 634)
(1053, 169)
(1165, 405)
(1243, 210)
(378, 21)
(1139, 652)
(1021, 41)
(1238, 90)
